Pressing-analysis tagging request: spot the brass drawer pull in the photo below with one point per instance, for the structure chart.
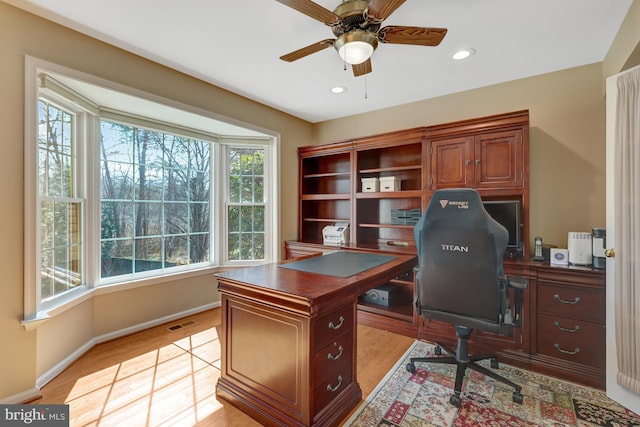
(575, 301)
(332, 389)
(575, 328)
(332, 357)
(557, 346)
(339, 325)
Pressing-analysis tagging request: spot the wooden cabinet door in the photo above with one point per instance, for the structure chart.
(499, 160)
(452, 163)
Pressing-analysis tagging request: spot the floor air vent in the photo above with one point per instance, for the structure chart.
(182, 325)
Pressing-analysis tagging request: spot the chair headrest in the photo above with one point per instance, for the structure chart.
(460, 209)
(459, 201)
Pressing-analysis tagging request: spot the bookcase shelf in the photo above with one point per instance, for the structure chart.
(390, 194)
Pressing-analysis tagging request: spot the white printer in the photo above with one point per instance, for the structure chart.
(336, 234)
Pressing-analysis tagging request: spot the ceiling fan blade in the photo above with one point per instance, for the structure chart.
(362, 69)
(412, 35)
(379, 10)
(308, 50)
(313, 10)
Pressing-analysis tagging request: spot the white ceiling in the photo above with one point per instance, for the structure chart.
(236, 44)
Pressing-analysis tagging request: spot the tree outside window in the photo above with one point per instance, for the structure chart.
(246, 204)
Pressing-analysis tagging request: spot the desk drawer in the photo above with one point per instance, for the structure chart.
(328, 328)
(574, 340)
(330, 360)
(572, 301)
(330, 388)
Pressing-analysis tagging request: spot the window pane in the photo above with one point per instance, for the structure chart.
(234, 246)
(176, 251)
(60, 248)
(247, 189)
(149, 147)
(148, 182)
(116, 180)
(246, 246)
(199, 217)
(246, 218)
(258, 187)
(176, 218)
(148, 219)
(258, 245)
(117, 257)
(199, 187)
(148, 254)
(233, 218)
(176, 185)
(199, 250)
(258, 218)
(234, 188)
(116, 142)
(116, 219)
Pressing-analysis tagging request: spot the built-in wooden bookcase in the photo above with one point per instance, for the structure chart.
(325, 189)
(397, 156)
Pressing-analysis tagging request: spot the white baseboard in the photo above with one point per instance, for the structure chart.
(25, 396)
(67, 361)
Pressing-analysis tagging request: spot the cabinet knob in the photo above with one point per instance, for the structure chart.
(468, 162)
(477, 161)
(610, 253)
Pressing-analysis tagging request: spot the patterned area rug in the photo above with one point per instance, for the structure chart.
(422, 399)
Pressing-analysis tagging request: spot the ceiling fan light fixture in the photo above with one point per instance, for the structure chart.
(356, 46)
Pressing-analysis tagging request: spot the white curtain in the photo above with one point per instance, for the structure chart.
(627, 229)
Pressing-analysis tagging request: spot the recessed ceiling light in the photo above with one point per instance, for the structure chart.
(461, 54)
(338, 89)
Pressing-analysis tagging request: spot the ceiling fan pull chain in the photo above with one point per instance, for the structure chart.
(366, 95)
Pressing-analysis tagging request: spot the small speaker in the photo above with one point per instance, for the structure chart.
(382, 295)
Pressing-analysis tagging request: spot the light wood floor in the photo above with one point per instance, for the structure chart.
(160, 377)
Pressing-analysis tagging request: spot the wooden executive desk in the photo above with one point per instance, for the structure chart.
(289, 342)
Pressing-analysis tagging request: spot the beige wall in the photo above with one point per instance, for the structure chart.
(566, 141)
(25, 356)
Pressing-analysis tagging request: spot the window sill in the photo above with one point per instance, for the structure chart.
(41, 317)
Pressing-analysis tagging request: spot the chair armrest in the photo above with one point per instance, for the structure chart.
(519, 283)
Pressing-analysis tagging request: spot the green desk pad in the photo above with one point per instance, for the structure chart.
(339, 264)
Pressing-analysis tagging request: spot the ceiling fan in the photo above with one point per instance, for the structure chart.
(357, 27)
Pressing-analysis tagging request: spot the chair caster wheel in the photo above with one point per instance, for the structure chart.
(494, 364)
(455, 401)
(438, 350)
(411, 367)
(517, 397)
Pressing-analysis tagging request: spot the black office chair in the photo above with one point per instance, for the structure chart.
(461, 280)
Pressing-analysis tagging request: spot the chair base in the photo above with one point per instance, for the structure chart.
(463, 362)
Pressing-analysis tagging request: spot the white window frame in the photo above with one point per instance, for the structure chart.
(88, 168)
(270, 166)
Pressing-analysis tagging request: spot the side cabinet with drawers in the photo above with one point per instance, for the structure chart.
(569, 338)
